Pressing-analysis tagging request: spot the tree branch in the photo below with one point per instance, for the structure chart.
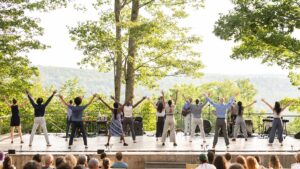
(125, 3)
(146, 3)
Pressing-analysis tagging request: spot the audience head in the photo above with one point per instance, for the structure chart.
(210, 156)
(65, 166)
(94, 163)
(48, 160)
(32, 165)
(103, 155)
(71, 160)
(82, 160)
(203, 158)
(252, 163)
(227, 157)
(220, 162)
(59, 160)
(106, 163)
(274, 162)
(297, 157)
(257, 159)
(77, 101)
(7, 163)
(37, 158)
(242, 160)
(236, 166)
(78, 167)
(119, 156)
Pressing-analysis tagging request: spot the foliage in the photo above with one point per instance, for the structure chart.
(263, 29)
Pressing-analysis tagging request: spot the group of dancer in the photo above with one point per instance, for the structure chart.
(165, 118)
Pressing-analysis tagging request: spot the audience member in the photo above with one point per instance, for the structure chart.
(48, 161)
(71, 160)
(106, 163)
(236, 166)
(252, 163)
(64, 166)
(37, 158)
(32, 165)
(297, 164)
(78, 167)
(259, 162)
(210, 157)
(204, 164)
(82, 161)
(242, 160)
(93, 163)
(228, 158)
(103, 155)
(8, 163)
(119, 162)
(274, 162)
(59, 160)
(220, 162)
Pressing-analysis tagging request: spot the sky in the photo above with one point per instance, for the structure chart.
(215, 52)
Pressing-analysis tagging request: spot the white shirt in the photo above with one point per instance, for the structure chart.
(161, 114)
(206, 166)
(128, 111)
(275, 115)
(170, 110)
(295, 166)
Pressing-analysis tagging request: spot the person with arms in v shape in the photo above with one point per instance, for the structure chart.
(76, 117)
(39, 113)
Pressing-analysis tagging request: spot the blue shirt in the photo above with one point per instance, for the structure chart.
(119, 165)
(77, 112)
(186, 105)
(221, 109)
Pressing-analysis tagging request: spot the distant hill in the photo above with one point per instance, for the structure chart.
(271, 87)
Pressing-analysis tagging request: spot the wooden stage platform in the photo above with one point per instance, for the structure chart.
(147, 149)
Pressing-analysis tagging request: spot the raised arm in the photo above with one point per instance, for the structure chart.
(50, 98)
(23, 104)
(63, 101)
(184, 97)
(105, 103)
(268, 104)
(289, 104)
(112, 97)
(136, 104)
(249, 105)
(176, 97)
(7, 102)
(163, 98)
(231, 101)
(210, 101)
(92, 99)
(30, 98)
(203, 104)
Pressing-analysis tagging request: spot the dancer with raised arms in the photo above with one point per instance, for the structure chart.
(160, 117)
(221, 113)
(39, 113)
(76, 117)
(128, 115)
(239, 121)
(277, 125)
(170, 120)
(197, 120)
(15, 118)
(186, 113)
(115, 128)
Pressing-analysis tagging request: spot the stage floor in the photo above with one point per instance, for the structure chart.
(148, 143)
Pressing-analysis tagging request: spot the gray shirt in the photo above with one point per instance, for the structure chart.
(196, 110)
(77, 112)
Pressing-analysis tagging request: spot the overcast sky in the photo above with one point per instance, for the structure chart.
(215, 52)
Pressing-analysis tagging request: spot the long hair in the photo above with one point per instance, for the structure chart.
(241, 160)
(160, 107)
(115, 111)
(106, 163)
(277, 108)
(274, 162)
(7, 163)
(240, 108)
(220, 162)
(252, 163)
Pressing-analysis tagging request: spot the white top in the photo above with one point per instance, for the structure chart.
(295, 166)
(275, 115)
(206, 166)
(128, 111)
(170, 110)
(162, 114)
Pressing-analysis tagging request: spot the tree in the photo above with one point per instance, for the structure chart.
(18, 35)
(152, 44)
(263, 29)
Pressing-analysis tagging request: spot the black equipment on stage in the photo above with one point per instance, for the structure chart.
(100, 151)
(206, 125)
(249, 127)
(297, 136)
(11, 151)
(138, 126)
(267, 123)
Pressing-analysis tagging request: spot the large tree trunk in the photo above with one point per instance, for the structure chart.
(118, 51)
(131, 51)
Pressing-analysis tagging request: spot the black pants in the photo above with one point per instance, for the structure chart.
(69, 122)
(159, 126)
(129, 121)
(77, 125)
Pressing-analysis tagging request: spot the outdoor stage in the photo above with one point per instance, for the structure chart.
(147, 149)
